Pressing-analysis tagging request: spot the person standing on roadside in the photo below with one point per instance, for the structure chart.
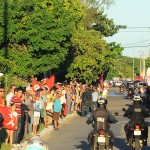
(68, 96)
(29, 101)
(57, 110)
(24, 118)
(1, 94)
(10, 95)
(94, 99)
(43, 100)
(17, 100)
(63, 101)
(143, 94)
(10, 132)
(37, 111)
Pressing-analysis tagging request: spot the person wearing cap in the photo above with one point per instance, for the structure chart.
(10, 95)
(137, 112)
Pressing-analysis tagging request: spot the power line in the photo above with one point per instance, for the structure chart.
(138, 42)
(134, 31)
(138, 27)
(136, 46)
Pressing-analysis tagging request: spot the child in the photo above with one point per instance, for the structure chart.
(37, 107)
(10, 132)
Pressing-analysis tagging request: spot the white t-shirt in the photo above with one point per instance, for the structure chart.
(37, 108)
(63, 98)
(9, 96)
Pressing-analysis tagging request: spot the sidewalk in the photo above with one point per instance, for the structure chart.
(43, 132)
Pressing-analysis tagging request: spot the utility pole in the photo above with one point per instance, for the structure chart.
(133, 65)
(142, 66)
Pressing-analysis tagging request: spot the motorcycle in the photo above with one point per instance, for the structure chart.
(104, 141)
(122, 89)
(130, 93)
(136, 141)
(136, 133)
(101, 139)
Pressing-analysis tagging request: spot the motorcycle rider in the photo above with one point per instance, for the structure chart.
(100, 112)
(137, 112)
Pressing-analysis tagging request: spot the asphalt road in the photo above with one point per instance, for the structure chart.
(73, 132)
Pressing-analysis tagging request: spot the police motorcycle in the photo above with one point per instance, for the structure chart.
(136, 132)
(100, 138)
(136, 142)
(121, 88)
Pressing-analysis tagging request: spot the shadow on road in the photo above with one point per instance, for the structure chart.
(83, 146)
(120, 144)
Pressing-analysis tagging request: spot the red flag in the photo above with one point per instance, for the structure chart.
(50, 81)
(35, 85)
(10, 121)
(101, 79)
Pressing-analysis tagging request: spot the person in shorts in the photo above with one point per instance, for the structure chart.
(57, 110)
(37, 108)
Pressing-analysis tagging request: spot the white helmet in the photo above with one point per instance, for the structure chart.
(137, 98)
(36, 144)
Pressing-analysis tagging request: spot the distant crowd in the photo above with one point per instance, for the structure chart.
(30, 106)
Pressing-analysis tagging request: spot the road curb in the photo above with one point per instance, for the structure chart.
(44, 131)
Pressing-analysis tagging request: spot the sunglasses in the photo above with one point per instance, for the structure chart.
(1, 91)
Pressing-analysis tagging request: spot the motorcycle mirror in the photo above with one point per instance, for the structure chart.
(123, 109)
(116, 113)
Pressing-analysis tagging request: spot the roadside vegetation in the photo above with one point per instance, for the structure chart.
(66, 38)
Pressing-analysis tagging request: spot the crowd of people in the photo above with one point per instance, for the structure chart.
(47, 106)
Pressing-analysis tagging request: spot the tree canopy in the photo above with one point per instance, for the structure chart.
(67, 36)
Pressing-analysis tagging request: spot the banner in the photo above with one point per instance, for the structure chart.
(35, 85)
(50, 81)
(9, 122)
(101, 79)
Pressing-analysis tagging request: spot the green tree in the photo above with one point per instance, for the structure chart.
(35, 34)
(124, 68)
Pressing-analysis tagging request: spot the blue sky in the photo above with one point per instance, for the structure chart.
(133, 13)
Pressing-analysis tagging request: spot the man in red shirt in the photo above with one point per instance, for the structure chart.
(17, 101)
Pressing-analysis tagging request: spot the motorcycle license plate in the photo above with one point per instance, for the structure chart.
(101, 139)
(137, 132)
(35, 148)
